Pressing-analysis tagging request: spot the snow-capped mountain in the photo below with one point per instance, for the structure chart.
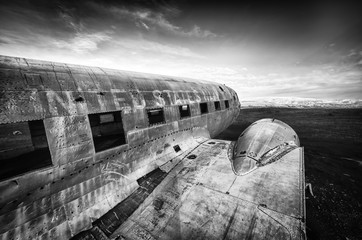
(294, 102)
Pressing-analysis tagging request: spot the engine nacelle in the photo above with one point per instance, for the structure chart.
(263, 142)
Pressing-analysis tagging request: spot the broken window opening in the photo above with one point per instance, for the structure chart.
(107, 130)
(203, 108)
(184, 111)
(192, 156)
(155, 116)
(177, 148)
(226, 104)
(23, 148)
(217, 106)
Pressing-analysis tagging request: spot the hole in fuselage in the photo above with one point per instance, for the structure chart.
(192, 156)
(177, 148)
(79, 99)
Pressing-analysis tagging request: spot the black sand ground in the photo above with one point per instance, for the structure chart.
(332, 140)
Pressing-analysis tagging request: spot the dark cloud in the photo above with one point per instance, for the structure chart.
(305, 48)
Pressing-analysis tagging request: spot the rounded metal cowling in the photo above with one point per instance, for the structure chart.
(263, 142)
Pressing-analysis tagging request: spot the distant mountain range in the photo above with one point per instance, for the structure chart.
(299, 103)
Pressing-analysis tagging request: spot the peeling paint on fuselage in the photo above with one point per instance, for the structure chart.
(81, 185)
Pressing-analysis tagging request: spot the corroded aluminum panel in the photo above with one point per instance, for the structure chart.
(69, 138)
(116, 100)
(165, 95)
(57, 103)
(93, 101)
(134, 119)
(40, 226)
(153, 98)
(41, 81)
(17, 106)
(12, 80)
(171, 113)
(199, 122)
(284, 177)
(101, 79)
(214, 120)
(206, 200)
(120, 80)
(140, 81)
(138, 100)
(69, 205)
(34, 65)
(7, 62)
(158, 130)
(66, 81)
(185, 123)
(34, 81)
(77, 98)
(83, 79)
(135, 136)
(194, 109)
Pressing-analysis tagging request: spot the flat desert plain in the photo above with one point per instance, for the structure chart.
(332, 140)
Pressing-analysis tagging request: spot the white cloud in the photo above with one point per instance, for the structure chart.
(83, 42)
(136, 45)
(146, 18)
(66, 15)
(198, 32)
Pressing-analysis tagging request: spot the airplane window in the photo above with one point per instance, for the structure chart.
(184, 111)
(155, 116)
(226, 103)
(177, 148)
(203, 108)
(107, 130)
(217, 106)
(23, 148)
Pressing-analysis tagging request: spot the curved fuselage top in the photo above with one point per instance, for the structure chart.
(33, 89)
(74, 139)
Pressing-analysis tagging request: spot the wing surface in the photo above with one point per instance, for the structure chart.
(202, 198)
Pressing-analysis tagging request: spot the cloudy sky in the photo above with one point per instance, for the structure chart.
(309, 49)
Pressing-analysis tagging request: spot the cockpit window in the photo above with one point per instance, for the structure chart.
(155, 116)
(217, 106)
(107, 130)
(184, 111)
(23, 148)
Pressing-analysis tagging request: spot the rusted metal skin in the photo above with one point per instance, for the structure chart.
(261, 143)
(80, 185)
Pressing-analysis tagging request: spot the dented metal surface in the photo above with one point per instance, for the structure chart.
(201, 198)
(80, 185)
(263, 142)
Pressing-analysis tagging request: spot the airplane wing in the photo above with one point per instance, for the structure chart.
(202, 198)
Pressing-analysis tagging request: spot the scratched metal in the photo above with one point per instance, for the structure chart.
(66, 198)
(208, 201)
(263, 137)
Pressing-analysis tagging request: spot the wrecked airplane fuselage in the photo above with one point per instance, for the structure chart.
(78, 145)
